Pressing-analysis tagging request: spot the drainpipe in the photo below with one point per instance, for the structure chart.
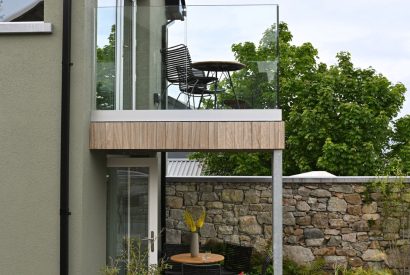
(65, 137)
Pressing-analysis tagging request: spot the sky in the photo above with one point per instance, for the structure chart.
(375, 32)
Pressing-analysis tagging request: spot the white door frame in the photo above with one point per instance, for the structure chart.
(153, 198)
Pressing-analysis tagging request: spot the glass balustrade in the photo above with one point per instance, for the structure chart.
(233, 50)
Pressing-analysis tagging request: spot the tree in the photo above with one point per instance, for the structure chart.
(337, 117)
(105, 69)
(400, 144)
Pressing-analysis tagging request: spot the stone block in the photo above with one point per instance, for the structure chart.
(342, 188)
(314, 242)
(214, 205)
(334, 241)
(370, 208)
(252, 196)
(373, 255)
(305, 220)
(332, 232)
(303, 191)
(209, 196)
(354, 199)
(264, 218)
(302, 206)
(170, 190)
(288, 219)
(181, 187)
(225, 229)
(249, 225)
(321, 193)
(190, 198)
(173, 236)
(208, 231)
(174, 202)
(176, 214)
(232, 195)
(371, 217)
(298, 254)
(355, 261)
(313, 233)
(241, 210)
(354, 210)
(337, 205)
(351, 218)
(332, 261)
(320, 220)
(325, 251)
(361, 226)
(391, 225)
(337, 223)
(351, 237)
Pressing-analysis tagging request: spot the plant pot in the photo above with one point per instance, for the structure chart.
(194, 244)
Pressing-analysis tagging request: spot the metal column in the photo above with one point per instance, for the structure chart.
(277, 229)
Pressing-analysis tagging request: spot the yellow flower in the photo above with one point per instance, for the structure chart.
(201, 220)
(190, 222)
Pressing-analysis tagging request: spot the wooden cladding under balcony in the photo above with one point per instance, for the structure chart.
(188, 136)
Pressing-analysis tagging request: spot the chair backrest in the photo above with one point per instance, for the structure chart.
(174, 57)
(237, 258)
(211, 269)
(268, 261)
(173, 249)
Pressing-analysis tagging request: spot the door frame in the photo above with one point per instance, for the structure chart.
(153, 198)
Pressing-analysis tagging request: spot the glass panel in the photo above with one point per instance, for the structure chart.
(105, 63)
(232, 50)
(127, 212)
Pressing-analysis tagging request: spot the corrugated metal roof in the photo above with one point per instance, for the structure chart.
(184, 168)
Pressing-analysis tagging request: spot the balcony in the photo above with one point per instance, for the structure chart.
(134, 95)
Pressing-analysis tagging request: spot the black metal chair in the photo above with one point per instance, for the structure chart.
(210, 269)
(194, 84)
(268, 261)
(170, 250)
(177, 64)
(237, 259)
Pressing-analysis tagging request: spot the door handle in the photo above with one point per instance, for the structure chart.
(151, 241)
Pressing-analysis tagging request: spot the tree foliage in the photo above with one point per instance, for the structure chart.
(105, 69)
(338, 118)
(400, 144)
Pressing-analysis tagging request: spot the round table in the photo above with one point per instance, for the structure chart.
(185, 258)
(218, 66)
(224, 67)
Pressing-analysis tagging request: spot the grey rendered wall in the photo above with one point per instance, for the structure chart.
(29, 149)
(30, 90)
(87, 169)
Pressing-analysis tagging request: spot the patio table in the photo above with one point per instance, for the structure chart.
(224, 67)
(203, 258)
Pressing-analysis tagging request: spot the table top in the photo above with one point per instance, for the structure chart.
(185, 258)
(218, 66)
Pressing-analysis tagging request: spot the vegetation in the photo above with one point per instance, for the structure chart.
(340, 270)
(393, 196)
(134, 262)
(338, 118)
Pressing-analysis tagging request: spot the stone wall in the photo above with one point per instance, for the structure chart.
(328, 219)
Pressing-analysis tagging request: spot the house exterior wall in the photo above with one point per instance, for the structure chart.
(30, 106)
(30, 73)
(330, 218)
